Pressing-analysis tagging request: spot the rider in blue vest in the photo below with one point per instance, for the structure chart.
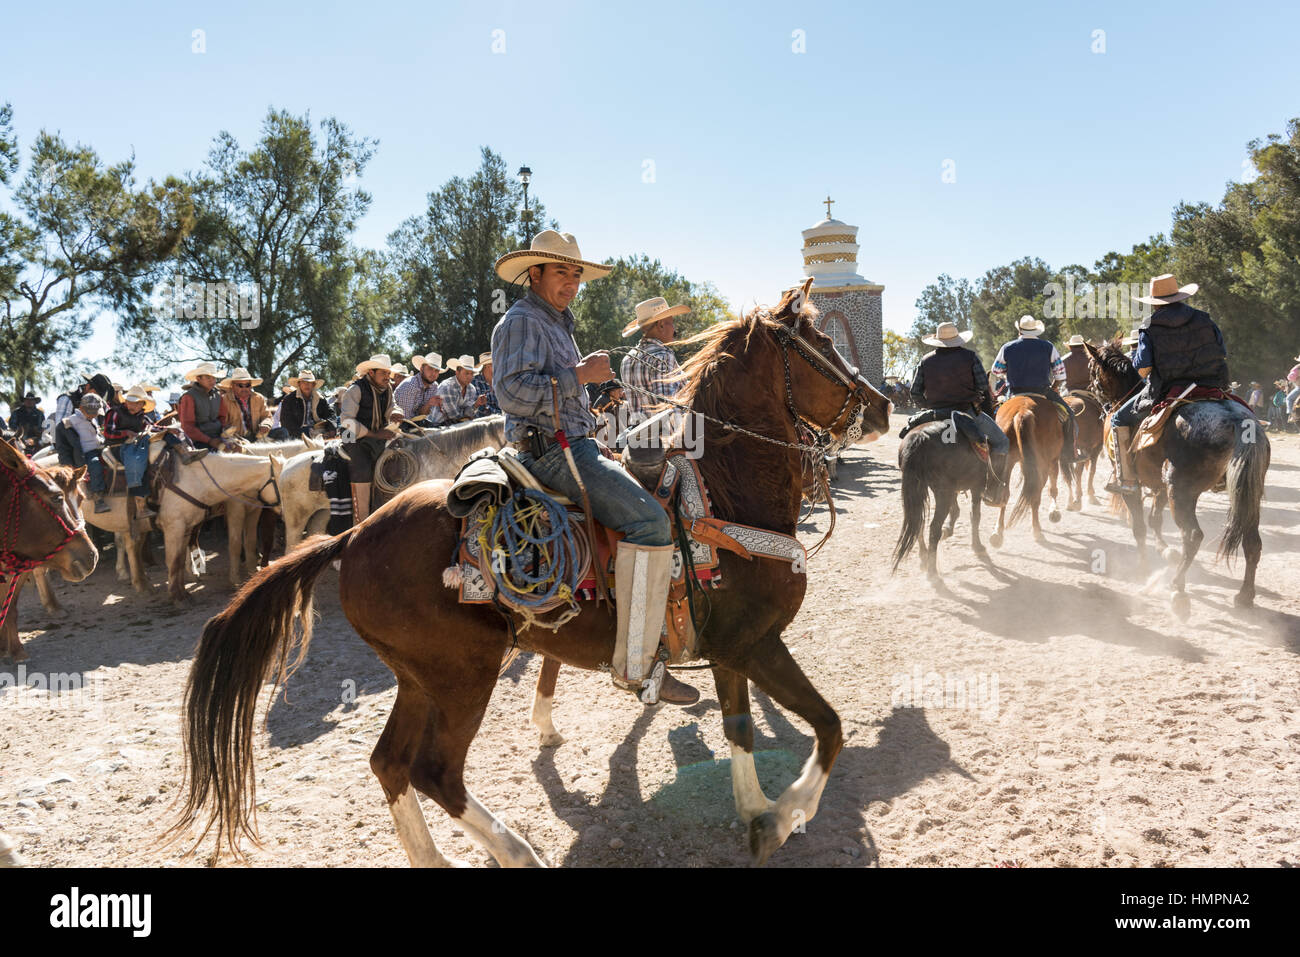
(1030, 364)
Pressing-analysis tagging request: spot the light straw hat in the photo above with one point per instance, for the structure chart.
(239, 375)
(464, 362)
(379, 361)
(548, 246)
(947, 336)
(203, 368)
(428, 359)
(1029, 326)
(137, 394)
(651, 311)
(1165, 289)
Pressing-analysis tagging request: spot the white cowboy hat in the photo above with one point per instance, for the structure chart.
(651, 311)
(239, 375)
(379, 361)
(431, 359)
(484, 360)
(203, 368)
(1029, 326)
(1165, 289)
(146, 387)
(548, 246)
(1076, 340)
(947, 336)
(464, 362)
(1131, 339)
(137, 394)
(293, 380)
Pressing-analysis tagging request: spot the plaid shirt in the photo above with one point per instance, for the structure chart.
(650, 367)
(481, 386)
(532, 343)
(413, 393)
(455, 404)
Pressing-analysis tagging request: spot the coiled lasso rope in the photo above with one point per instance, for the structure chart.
(530, 525)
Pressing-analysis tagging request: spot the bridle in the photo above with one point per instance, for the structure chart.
(256, 501)
(13, 565)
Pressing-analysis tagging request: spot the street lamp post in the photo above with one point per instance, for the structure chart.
(525, 175)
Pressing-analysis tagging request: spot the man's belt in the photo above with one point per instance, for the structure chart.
(538, 442)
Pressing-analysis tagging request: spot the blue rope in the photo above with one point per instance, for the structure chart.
(517, 528)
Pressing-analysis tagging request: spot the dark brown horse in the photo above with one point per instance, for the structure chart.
(1033, 428)
(446, 655)
(40, 525)
(1090, 440)
(1203, 442)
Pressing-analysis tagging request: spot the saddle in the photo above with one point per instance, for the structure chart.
(966, 425)
(1062, 412)
(493, 476)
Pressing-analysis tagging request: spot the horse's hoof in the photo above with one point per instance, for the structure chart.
(551, 740)
(980, 551)
(1040, 538)
(1244, 599)
(764, 838)
(1074, 507)
(1170, 554)
(1054, 516)
(946, 533)
(996, 539)
(1181, 604)
(1093, 500)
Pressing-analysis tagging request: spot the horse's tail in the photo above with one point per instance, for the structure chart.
(240, 648)
(916, 501)
(1023, 426)
(1246, 470)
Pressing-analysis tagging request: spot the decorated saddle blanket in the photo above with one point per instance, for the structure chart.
(680, 488)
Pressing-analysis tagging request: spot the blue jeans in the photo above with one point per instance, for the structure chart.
(999, 444)
(1291, 398)
(1126, 415)
(95, 469)
(617, 499)
(135, 459)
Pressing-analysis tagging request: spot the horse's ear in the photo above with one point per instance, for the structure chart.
(10, 456)
(793, 300)
(1090, 350)
(78, 474)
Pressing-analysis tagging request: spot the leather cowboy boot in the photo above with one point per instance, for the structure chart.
(191, 455)
(360, 502)
(642, 575)
(1124, 463)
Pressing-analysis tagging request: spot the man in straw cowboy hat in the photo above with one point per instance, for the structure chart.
(1178, 346)
(952, 379)
(418, 394)
(483, 386)
(1030, 364)
(540, 369)
(460, 400)
(126, 432)
(304, 410)
(246, 415)
(369, 417)
(648, 370)
(201, 412)
(1075, 362)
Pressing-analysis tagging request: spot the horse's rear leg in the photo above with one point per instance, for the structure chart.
(738, 726)
(1092, 473)
(1054, 515)
(1252, 546)
(976, 545)
(439, 772)
(1156, 519)
(953, 513)
(543, 698)
(1183, 505)
(944, 503)
(391, 762)
(772, 669)
(121, 563)
(1074, 485)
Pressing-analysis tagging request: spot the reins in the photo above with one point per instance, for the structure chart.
(13, 565)
(253, 502)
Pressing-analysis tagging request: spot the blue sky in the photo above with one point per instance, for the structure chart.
(1059, 152)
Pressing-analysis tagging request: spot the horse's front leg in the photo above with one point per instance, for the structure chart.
(543, 698)
(44, 588)
(1156, 520)
(738, 726)
(1183, 502)
(976, 545)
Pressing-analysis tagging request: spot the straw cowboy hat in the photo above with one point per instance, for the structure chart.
(239, 375)
(431, 359)
(651, 311)
(379, 361)
(464, 362)
(203, 368)
(137, 394)
(947, 336)
(1131, 339)
(548, 246)
(484, 360)
(1165, 289)
(1076, 340)
(293, 380)
(151, 389)
(1029, 326)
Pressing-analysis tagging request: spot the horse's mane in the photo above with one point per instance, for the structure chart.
(1112, 356)
(459, 441)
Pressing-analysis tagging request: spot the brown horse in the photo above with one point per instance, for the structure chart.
(1033, 427)
(40, 524)
(446, 655)
(1203, 443)
(1087, 416)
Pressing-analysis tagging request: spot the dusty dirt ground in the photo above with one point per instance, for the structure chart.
(1094, 728)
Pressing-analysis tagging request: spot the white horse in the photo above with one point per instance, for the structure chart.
(242, 518)
(438, 453)
(250, 480)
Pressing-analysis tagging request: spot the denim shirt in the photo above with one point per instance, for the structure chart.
(533, 342)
